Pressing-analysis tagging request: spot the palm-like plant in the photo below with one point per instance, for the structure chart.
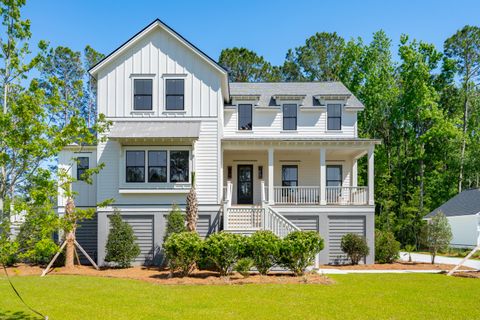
(192, 207)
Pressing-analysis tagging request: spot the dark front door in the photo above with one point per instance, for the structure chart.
(245, 184)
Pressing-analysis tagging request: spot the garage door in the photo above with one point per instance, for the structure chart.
(142, 226)
(306, 223)
(338, 226)
(86, 235)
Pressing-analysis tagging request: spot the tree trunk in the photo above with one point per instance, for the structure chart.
(70, 236)
(464, 139)
(70, 250)
(433, 258)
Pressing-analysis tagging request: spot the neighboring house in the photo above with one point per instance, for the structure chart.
(276, 156)
(463, 214)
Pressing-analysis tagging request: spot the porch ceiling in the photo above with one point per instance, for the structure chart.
(356, 147)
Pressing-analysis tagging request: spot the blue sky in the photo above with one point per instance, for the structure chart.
(268, 27)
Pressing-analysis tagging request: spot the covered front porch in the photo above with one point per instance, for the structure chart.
(306, 173)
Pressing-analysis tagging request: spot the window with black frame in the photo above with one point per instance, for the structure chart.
(135, 162)
(142, 94)
(334, 183)
(179, 166)
(157, 166)
(289, 179)
(82, 166)
(289, 117)
(244, 117)
(174, 94)
(334, 117)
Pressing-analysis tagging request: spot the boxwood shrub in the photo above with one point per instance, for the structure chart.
(298, 249)
(183, 251)
(387, 249)
(224, 250)
(355, 247)
(263, 247)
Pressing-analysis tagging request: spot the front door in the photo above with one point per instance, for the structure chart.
(245, 184)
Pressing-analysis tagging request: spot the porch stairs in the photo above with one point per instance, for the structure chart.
(248, 219)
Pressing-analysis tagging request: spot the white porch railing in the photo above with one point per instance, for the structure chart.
(249, 218)
(277, 223)
(347, 195)
(296, 195)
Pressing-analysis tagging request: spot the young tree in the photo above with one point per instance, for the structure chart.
(192, 207)
(14, 47)
(438, 234)
(464, 48)
(121, 246)
(175, 222)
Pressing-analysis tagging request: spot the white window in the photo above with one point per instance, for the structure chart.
(334, 117)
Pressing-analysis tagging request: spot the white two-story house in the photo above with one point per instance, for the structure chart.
(275, 156)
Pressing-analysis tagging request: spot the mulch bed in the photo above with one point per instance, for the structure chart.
(399, 265)
(154, 275)
(473, 274)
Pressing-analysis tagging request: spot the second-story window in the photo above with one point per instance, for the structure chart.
(157, 166)
(174, 94)
(142, 94)
(289, 117)
(82, 166)
(244, 117)
(334, 117)
(135, 166)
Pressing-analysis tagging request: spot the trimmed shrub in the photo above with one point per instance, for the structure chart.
(387, 249)
(298, 249)
(175, 222)
(121, 247)
(223, 250)
(263, 248)
(355, 247)
(243, 266)
(183, 251)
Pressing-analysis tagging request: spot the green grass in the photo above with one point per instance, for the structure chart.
(357, 296)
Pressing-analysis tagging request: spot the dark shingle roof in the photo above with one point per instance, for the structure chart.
(464, 203)
(267, 91)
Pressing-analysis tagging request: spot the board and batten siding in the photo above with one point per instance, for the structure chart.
(309, 123)
(158, 55)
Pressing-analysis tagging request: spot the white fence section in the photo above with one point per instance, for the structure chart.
(347, 195)
(296, 195)
(249, 218)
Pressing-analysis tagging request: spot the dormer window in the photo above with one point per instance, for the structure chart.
(244, 117)
(334, 117)
(289, 117)
(174, 94)
(142, 94)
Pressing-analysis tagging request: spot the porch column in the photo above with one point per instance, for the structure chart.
(323, 177)
(371, 176)
(354, 173)
(271, 199)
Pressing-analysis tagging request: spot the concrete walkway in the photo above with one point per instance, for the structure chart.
(345, 271)
(420, 257)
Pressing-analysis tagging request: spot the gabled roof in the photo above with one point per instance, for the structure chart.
(311, 91)
(157, 23)
(463, 204)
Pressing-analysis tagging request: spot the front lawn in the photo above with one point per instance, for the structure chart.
(356, 296)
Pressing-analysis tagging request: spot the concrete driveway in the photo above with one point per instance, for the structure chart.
(420, 257)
